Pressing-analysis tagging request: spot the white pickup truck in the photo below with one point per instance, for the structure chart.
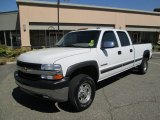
(70, 71)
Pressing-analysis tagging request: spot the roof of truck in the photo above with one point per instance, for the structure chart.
(99, 28)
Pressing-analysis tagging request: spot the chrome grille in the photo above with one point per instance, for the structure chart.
(33, 66)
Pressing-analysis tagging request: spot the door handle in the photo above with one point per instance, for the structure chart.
(131, 50)
(119, 52)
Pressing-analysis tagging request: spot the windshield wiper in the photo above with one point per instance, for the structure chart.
(76, 46)
(58, 45)
(69, 46)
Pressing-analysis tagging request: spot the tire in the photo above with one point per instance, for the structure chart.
(143, 67)
(81, 92)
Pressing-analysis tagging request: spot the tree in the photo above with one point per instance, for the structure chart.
(156, 10)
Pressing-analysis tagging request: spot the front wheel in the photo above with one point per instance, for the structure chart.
(81, 92)
(144, 66)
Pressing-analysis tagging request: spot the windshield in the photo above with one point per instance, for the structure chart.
(84, 39)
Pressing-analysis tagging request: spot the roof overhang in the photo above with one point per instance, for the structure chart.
(81, 6)
(143, 28)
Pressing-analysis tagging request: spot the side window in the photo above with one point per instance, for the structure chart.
(110, 36)
(123, 38)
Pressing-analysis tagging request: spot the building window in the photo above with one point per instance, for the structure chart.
(44, 38)
(144, 37)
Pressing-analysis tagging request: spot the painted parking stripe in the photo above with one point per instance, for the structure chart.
(154, 63)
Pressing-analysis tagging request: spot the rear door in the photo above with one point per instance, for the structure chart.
(127, 50)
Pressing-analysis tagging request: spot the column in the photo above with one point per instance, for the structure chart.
(5, 38)
(159, 38)
(11, 38)
(120, 21)
(24, 26)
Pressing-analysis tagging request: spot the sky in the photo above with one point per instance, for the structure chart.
(146, 5)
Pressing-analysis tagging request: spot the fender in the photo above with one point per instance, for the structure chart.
(74, 67)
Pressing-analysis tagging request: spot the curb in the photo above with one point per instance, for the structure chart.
(155, 52)
(8, 63)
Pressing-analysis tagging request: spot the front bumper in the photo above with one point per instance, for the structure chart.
(54, 90)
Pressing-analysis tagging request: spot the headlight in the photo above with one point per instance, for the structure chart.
(57, 71)
(51, 67)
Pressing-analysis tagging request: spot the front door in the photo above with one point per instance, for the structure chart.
(110, 59)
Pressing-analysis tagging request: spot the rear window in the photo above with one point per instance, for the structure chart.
(124, 40)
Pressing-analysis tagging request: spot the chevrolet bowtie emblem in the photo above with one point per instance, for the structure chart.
(24, 69)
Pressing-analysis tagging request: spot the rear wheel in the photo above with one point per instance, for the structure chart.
(144, 66)
(81, 92)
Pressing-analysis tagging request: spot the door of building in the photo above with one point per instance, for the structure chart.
(54, 38)
(136, 37)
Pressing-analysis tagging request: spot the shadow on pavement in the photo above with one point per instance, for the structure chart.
(66, 107)
(34, 103)
(111, 80)
(39, 104)
(115, 78)
(47, 106)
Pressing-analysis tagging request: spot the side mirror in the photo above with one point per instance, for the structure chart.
(107, 44)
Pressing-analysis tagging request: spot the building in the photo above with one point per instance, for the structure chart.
(37, 22)
(9, 28)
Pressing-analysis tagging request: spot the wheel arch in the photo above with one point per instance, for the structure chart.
(146, 54)
(88, 67)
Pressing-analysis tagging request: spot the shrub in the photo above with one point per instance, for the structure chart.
(3, 46)
(8, 52)
(156, 48)
(2, 52)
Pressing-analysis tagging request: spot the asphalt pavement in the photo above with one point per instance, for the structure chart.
(128, 96)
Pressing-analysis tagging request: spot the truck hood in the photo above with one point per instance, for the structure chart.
(50, 55)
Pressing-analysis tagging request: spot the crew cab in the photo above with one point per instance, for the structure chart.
(71, 70)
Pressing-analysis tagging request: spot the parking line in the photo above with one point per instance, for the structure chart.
(155, 63)
(155, 57)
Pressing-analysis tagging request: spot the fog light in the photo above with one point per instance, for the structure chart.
(49, 77)
(16, 74)
(54, 77)
(43, 76)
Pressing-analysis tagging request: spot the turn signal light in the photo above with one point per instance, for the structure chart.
(57, 77)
